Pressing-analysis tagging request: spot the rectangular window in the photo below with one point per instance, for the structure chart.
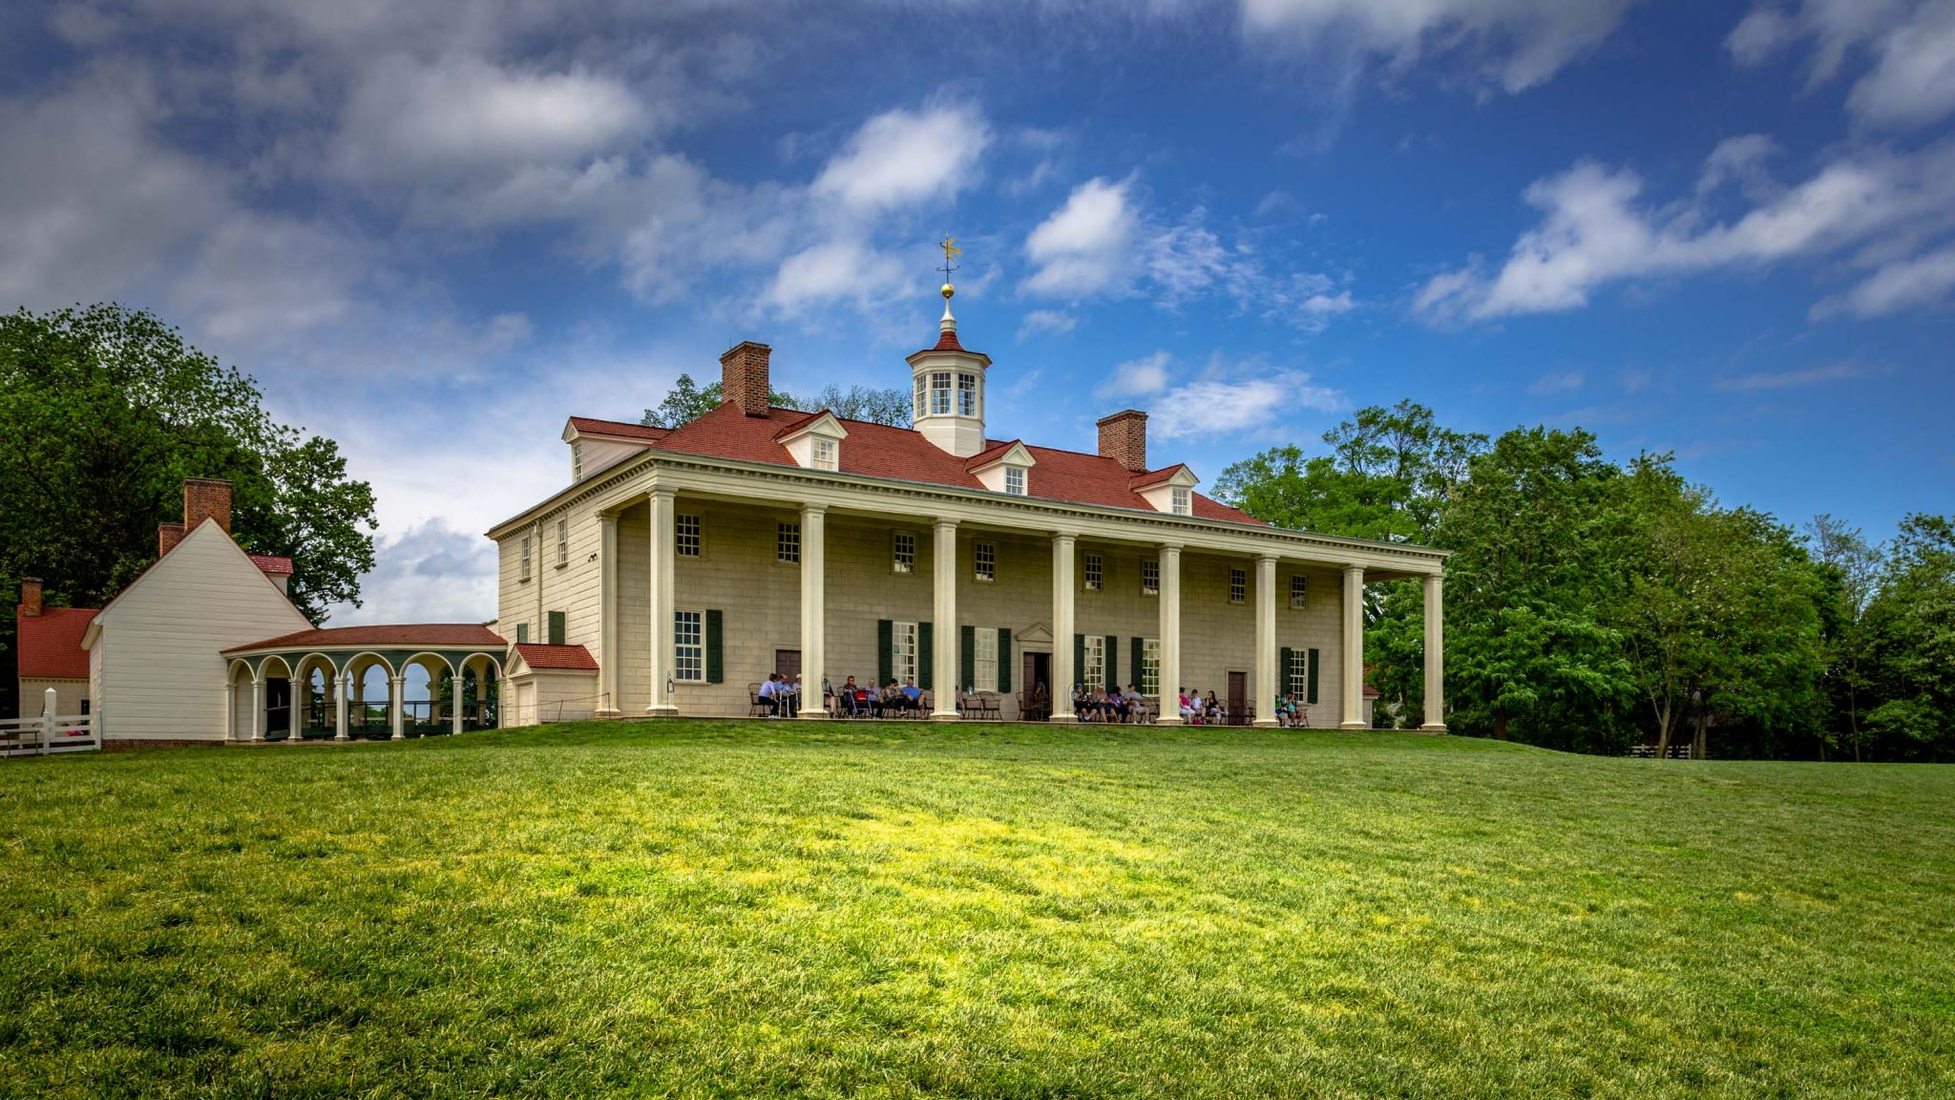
(1181, 502)
(986, 555)
(1296, 678)
(902, 651)
(1238, 585)
(921, 408)
(1150, 577)
(1015, 480)
(563, 543)
(1095, 573)
(689, 646)
(967, 395)
(1093, 659)
(787, 544)
(984, 659)
(1150, 666)
(940, 393)
(522, 633)
(826, 452)
(525, 573)
(577, 461)
(1298, 590)
(903, 552)
(688, 536)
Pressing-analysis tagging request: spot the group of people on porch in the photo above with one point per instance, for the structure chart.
(782, 697)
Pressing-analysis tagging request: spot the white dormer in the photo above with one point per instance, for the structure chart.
(1006, 468)
(597, 445)
(816, 443)
(1171, 490)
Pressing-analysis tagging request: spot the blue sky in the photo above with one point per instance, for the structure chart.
(1721, 229)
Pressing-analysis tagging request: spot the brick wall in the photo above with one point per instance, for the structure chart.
(1123, 438)
(743, 377)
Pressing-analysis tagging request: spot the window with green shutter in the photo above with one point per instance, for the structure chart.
(967, 653)
(1312, 697)
(1004, 658)
(885, 657)
(1286, 665)
(522, 633)
(925, 656)
(715, 651)
(1133, 667)
(1112, 661)
(556, 628)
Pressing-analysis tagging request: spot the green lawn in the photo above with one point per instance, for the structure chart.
(759, 908)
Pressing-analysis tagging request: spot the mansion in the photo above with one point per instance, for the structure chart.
(680, 567)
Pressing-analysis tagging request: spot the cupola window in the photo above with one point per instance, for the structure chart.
(967, 395)
(940, 393)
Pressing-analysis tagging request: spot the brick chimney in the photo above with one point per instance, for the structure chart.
(743, 377)
(30, 597)
(206, 497)
(167, 536)
(1123, 438)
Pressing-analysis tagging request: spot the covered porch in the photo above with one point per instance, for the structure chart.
(365, 683)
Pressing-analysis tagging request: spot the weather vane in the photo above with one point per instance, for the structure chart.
(951, 252)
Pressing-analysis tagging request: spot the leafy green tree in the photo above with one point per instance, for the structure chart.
(105, 410)
(687, 401)
(1849, 570)
(1911, 642)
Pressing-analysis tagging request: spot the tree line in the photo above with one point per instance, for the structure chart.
(1593, 605)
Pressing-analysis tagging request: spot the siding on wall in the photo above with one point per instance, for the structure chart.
(68, 695)
(160, 675)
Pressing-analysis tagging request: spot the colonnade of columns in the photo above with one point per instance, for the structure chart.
(344, 691)
(1266, 682)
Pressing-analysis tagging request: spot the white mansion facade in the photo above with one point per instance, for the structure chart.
(680, 566)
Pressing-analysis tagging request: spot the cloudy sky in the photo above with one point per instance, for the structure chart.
(434, 231)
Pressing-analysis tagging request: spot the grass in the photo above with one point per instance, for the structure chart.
(732, 909)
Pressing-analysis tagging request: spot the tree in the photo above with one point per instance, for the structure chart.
(105, 411)
(686, 402)
(1849, 568)
(1911, 642)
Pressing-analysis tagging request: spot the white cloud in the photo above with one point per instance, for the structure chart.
(902, 157)
(429, 573)
(1923, 281)
(1517, 44)
(1563, 381)
(1136, 378)
(1217, 404)
(259, 277)
(1086, 246)
(1595, 231)
(1788, 379)
(844, 270)
(1041, 321)
(1909, 44)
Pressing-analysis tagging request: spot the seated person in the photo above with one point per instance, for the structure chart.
(789, 694)
(1188, 712)
(1211, 709)
(912, 697)
(891, 700)
(1117, 702)
(854, 700)
(1136, 704)
(767, 689)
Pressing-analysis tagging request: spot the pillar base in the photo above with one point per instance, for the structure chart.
(1169, 720)
(1352, 726)
(607, 712)
(1063, 720)
(815, 715)
(1265, 723)
(341, 737)
(1433, 727)
(945, 716)
(398, 737)
(667, 711)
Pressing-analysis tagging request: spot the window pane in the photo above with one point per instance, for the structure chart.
(1015, 481)
(1150, 577)
(688, 536)
(986, 555)
(967, 395)
(984, 659)
(787, 543)
(902, 651)
(1094, 674)
(904, 553)
(1150, 666)
(688, 646)
(1095, 572)
(940, 393)
(1238, 585)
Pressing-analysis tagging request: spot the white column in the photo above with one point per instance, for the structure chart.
(257, 707)
(814, 609)
(455, 703)
(1170, 704)
(1435, 655)
(609, 656)
(230, 707)
(1264, 680)
(394, 708)
(943, 560)
(664, 526)
(1063, 628)
(1353, 678)
(340, 704)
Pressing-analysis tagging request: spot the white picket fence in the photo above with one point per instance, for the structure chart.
(50, 733)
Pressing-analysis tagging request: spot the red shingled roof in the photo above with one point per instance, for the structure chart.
(879, 450)
(947, 341)
(618, 428)
(573, 657)
(50, 644)
(272, 565)
(427, 635)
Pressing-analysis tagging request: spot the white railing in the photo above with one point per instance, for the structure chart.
(50, 733)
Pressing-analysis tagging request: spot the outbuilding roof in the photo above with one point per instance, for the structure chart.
(903, 454)
(538, 656)
(393, 636)
(50, 644)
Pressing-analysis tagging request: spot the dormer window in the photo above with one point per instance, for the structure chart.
(827, 452)
(1182, 502)
(940, 393)
(1015, 480)
(815, 443)
(967, 395)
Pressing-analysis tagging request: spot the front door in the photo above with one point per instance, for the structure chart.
(1238, 698)
(787, 662)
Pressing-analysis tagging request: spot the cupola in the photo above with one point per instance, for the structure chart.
(948, 382)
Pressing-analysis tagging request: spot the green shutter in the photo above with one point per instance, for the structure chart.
(1140, 649)
(967, 649)
(885, 663)
(1286, 662)
(556, 628)
(522, 633)
(1079, 663)
(1112, 661)
(926, 656)
(1004, 658)
(715, 654)
(1312, 696)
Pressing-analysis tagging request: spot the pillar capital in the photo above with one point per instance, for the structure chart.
(1266, 559)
